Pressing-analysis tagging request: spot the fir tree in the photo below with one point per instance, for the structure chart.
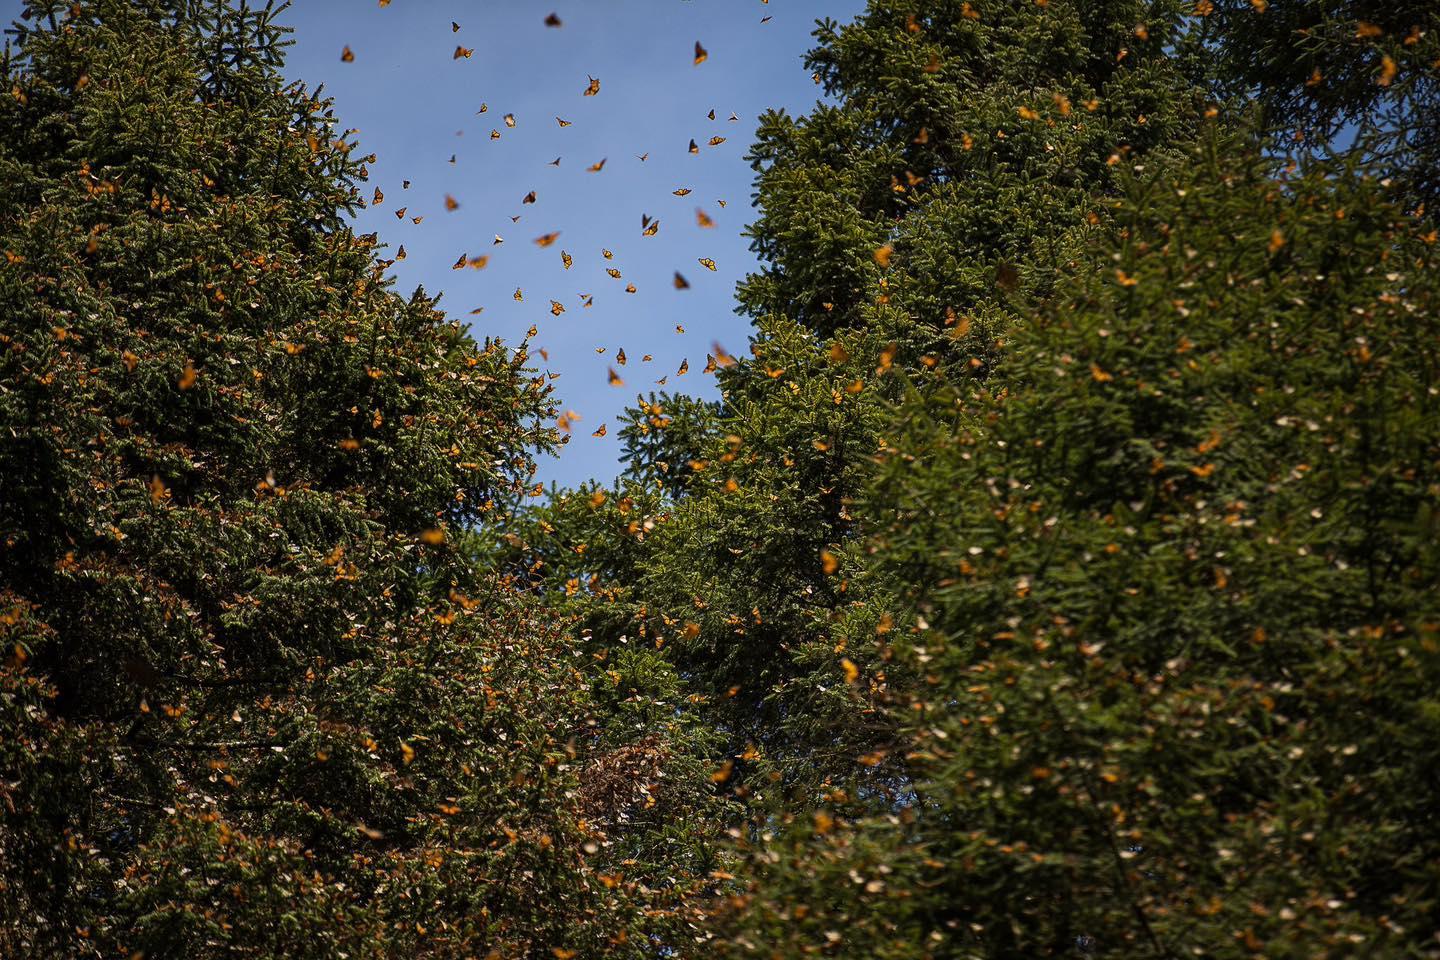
(257, 701)
(1330, 71)
(936, 700)
(1173, 595)
(963, 153)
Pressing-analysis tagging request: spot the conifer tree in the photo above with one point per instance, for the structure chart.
(255, 698)
(963, 151)
(1164, 573)
(1173, 595)
(1363, 71)
(991, 746)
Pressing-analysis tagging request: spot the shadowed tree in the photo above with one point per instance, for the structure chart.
(255, 700)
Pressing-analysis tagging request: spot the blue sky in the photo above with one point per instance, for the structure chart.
(415, 106)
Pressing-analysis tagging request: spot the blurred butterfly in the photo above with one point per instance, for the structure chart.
(701, 54)
(593, 88)
(707, 263)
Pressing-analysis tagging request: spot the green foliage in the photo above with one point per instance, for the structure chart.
(256, 699)
(953, 175)
(966, 136)
(664, 437)
(1094, 611)
(1328, 70)
(1173, 590)
(1055, 577)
